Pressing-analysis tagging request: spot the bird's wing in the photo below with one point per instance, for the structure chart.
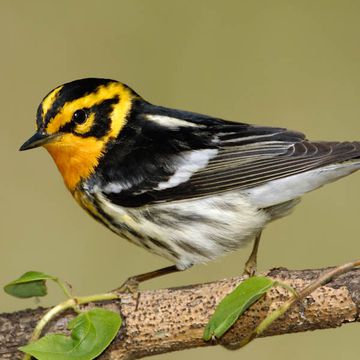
(164, 158)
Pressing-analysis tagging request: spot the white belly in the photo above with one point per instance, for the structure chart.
(189, 232)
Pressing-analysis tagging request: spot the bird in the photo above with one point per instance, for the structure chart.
(183, 185)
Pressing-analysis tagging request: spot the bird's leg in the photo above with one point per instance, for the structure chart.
(132, 283)
(250, 265)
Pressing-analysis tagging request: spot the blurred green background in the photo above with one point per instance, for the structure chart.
(282, 63)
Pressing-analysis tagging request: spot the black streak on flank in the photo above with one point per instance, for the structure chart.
(162, 245)
(187, 247)
(122, 227)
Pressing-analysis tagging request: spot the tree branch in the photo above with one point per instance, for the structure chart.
(174, 319)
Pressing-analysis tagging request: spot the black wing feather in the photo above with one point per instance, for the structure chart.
(147, 154)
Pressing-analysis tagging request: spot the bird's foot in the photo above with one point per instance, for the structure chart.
(250, 268)
(130, 286)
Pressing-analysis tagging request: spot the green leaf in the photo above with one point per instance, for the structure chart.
(30, 284)
(234, 305)
(91, 334)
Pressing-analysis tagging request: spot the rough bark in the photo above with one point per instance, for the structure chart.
(173, 319)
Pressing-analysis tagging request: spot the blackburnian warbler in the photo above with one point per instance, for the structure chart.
(185, 186)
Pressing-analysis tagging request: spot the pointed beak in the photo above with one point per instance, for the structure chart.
(38, 139)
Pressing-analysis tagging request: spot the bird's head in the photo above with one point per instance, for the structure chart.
(77, 120)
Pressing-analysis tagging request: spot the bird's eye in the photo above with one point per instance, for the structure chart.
(80, 116)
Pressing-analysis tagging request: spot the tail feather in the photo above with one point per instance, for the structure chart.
(288, 188)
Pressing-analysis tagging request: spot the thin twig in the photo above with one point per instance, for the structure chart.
(296, 297)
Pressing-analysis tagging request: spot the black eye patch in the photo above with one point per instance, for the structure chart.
(79, 116)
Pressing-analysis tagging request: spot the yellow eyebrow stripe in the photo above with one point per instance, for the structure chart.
(120, 112)
(102, 93)
(48, 102)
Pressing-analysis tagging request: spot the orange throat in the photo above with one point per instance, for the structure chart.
(76, 158)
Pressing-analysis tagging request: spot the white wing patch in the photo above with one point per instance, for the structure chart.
(188, 164)
(117, 187)
(281, 190)
(170, 122)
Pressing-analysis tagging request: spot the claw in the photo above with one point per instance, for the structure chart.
(250, 268)
(130, 286)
